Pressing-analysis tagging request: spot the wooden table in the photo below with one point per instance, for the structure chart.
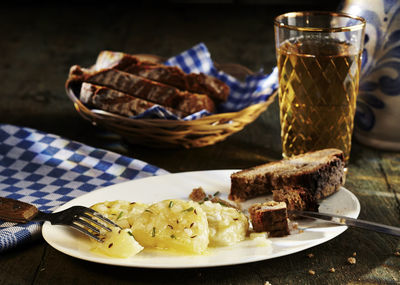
(40, 43)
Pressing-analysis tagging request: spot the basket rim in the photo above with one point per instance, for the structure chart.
(101, 115)
(164, 133)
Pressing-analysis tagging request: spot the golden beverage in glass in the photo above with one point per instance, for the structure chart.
(319, 61)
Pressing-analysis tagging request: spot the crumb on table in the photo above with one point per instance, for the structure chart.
(332, 269)
(311, 272)
(351, 260)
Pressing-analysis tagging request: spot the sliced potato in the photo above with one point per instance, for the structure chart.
(260, 238)
(119, 243)
(227, 225)
(174, 225)
(121, 212)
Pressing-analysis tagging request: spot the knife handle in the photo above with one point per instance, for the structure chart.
(16, 211)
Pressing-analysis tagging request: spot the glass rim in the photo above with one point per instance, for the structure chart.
(279, 24)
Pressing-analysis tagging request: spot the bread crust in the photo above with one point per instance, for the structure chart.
(295, 199)
(145, 89)
(170, 75)
(321, 173)
(117, 102)
(273, 220)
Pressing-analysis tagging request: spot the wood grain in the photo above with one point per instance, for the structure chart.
(41, 45)
(16, 211)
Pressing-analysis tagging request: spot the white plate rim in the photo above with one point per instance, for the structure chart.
(48, 229)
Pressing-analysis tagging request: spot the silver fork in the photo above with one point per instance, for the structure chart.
(81, 218)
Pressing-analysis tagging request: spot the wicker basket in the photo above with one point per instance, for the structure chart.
(172, 133)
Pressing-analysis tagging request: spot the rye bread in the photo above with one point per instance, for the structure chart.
(116, 102)
(143, 88)
(321, 173)
(270, 217)
(296, 199)
(169, 75)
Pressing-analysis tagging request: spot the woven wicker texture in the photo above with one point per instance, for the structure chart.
(172, 133)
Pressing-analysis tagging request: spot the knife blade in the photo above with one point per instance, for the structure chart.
(347, 221)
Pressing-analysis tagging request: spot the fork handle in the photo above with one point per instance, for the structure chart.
(16, 211)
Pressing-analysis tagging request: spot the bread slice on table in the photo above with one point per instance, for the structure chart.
(117, 102)
(169, 75)
(270, 217)
(320, 173)
(143, 88)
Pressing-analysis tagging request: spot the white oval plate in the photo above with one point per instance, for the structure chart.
(180, 185)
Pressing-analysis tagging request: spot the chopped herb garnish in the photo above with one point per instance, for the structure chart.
(188, 209)
(171, 203)
(120, 215)
(195, 212)
(193, 236)
(216, 193)
(131, 234)
(153, 233)
(147, 210)
(110, 245)
(191, 225)
(171, 227)
(173, 236)
(206, 199)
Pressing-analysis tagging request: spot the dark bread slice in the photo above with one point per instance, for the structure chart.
(143, 88)
(321, 173)
(296, 199)
(170, 75)
(116, 102)
(270, 217)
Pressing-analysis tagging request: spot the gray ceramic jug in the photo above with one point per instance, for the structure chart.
(377, 120)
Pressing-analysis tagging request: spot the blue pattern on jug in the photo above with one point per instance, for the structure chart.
(380, 60)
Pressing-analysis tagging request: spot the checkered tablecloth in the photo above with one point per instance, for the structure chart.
(254, 89)
(47, 171)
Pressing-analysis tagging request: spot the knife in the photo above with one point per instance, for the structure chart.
(347, 221)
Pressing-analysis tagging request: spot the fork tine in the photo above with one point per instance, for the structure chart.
(86, 232)
(83, 223)
(90, 219)
(101, 217)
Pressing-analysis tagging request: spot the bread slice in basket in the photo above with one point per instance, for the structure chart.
(320, 173)
(169, 75)
(117, 102)
(139, 87)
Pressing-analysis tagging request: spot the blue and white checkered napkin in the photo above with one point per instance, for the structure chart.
(255, 89)
(47, 171)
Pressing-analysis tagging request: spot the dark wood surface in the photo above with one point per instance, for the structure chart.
(40, 42)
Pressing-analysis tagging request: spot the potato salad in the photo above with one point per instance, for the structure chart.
(173, 225)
